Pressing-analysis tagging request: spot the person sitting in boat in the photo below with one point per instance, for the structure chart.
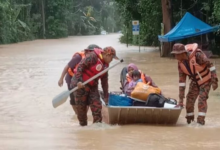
(136, 77)
(126, 77)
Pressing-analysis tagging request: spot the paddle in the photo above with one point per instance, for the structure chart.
(62, 97)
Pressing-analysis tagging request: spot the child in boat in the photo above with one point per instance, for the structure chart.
(136, 77)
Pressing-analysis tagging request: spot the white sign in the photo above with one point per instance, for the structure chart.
(135, 27)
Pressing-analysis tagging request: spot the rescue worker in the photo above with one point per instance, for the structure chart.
(92, 64)
(193, 62)
(69, 69)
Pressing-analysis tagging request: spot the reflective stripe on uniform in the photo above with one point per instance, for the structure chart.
(182, 84)
(201, 114)
(190, 114)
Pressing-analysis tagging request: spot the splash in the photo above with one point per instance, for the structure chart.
(100, 126)
(209, 124)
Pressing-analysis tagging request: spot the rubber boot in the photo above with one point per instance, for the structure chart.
(189, 119)
(201, 120)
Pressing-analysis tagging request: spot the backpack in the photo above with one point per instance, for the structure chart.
(155, 100)
(142, 91)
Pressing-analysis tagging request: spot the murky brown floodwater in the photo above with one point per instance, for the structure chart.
(29, 72)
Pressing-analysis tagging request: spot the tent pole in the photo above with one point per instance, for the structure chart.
(181, 9)
(169, 50)
(201, 41)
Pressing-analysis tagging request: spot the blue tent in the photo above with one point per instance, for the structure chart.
(188, 26)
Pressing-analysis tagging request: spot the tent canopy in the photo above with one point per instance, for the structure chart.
(188, 26)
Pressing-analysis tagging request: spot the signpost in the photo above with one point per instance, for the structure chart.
(135, 27)
(135, 30)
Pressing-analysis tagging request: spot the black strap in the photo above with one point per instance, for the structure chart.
(186, 64)
(192, 76)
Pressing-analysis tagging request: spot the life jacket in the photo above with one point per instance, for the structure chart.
(72, 70)
(198, 73)
(95, 69)
(129, 79)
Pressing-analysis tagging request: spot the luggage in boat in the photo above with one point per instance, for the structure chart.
(142, 91)
(154, 100)
(119, 100)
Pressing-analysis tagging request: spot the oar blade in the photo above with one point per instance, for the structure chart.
(60, 99)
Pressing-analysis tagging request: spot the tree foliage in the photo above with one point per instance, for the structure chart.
(149, 13)
(22, 20)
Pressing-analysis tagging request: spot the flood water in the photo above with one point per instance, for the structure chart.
(29, 72)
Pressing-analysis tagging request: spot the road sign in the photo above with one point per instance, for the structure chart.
(135, 27)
